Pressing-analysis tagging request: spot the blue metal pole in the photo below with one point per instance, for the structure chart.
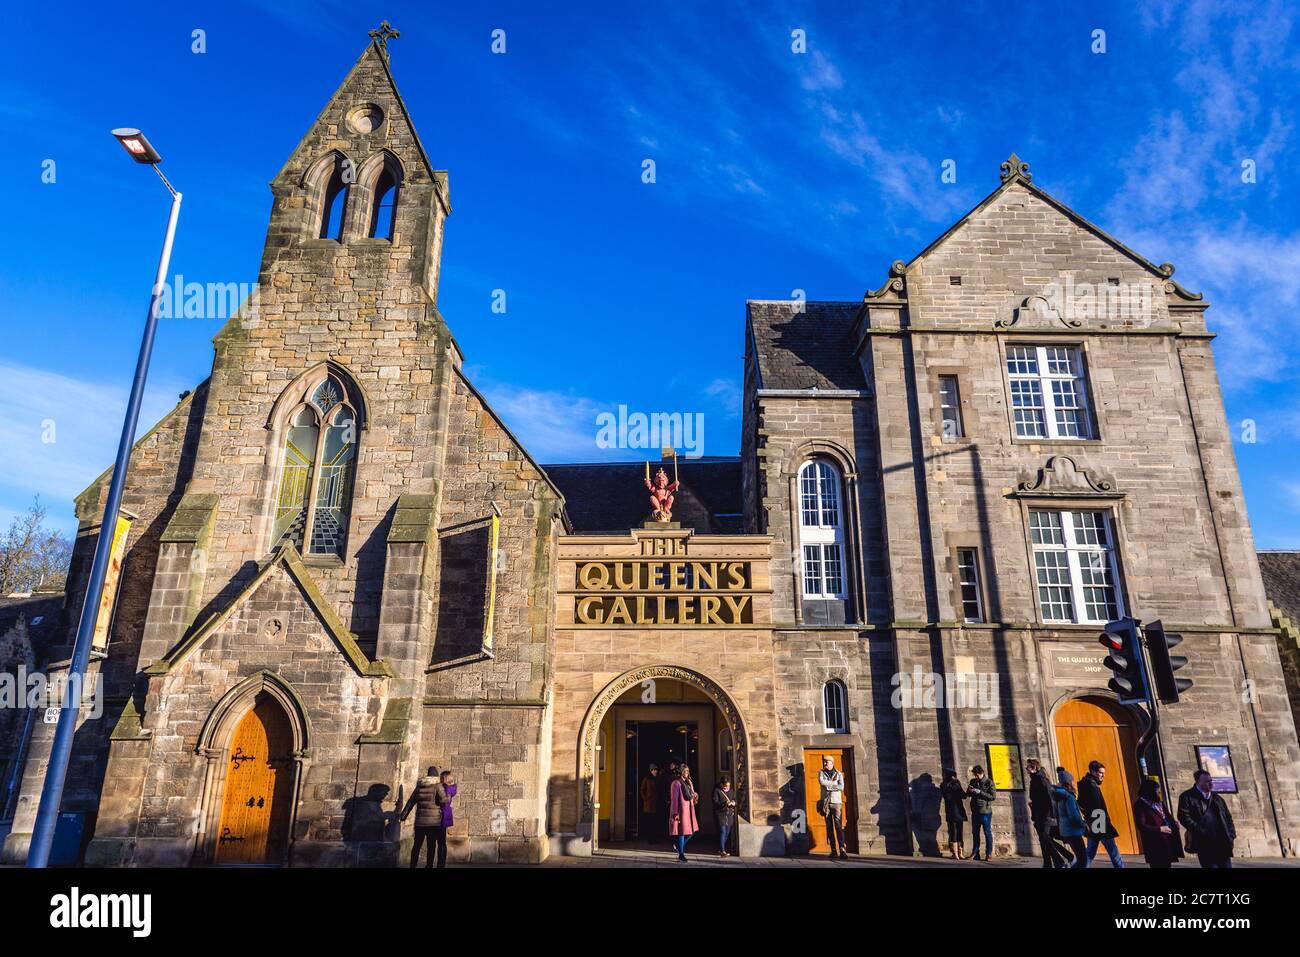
(47, 813)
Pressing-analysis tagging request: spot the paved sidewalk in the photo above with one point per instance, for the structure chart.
(645, 858)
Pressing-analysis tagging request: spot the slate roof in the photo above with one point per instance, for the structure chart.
(611, 496)
(44, 613)
(805, 350)
(1281, 571)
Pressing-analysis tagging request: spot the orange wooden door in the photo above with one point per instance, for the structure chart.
(1089, 730)
(255, 809)
(812, 766)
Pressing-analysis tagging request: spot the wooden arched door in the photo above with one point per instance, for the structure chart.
(255, 809)
(1096, 729)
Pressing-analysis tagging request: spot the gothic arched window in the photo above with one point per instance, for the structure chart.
(319, 467)
(334, 200)
(821, 530)
(383, 214)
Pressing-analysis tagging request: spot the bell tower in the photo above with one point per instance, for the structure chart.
(358, 194)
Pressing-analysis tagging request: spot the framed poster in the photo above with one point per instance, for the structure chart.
(1217, 759)
(1004, 768)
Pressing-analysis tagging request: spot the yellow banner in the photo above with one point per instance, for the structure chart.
(112, 582)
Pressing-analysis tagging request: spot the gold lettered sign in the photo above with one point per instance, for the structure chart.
(667, 591)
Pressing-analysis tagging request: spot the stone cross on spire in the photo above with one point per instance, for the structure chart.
(383, 35)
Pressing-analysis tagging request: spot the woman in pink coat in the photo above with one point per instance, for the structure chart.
(682, 823)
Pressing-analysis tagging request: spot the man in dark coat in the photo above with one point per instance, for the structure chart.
(427, 800)
(1101, 831)
(1205, 816)
(1040, 812)
(982, 794)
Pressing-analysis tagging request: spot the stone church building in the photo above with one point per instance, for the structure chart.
(342, 567)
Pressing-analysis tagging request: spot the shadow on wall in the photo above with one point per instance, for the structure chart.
(925, 800)
(366, 820)
(794, 809)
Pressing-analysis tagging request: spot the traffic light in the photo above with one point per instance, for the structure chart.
(1163, 664)
(1123, 644)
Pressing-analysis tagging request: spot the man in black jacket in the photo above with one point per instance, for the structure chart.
(1208, 822)
(982, 794)
(1093, 805)
(1040, 812)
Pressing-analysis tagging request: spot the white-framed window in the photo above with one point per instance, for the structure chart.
(1049, 392)
(821, 530)
(950, 408)
(968, 580)
(1075, 567)
(835, 707)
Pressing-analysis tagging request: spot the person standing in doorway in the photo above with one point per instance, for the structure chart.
(1040, 812)
(682, 821)
(954, 812)
(649, 823)
(674, 773)
(1205, 815)
(1101, 830)
(982, 794)
(831, 806)
(427, 800)
(1070, 824)
(1160, 844)
(724, 813)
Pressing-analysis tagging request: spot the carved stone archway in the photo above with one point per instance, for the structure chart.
(214, 743)
(589, 735)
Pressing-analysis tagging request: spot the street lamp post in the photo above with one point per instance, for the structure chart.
(139, 148)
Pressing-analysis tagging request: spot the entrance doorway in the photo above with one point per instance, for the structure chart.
(1098, 729)
(254, 826)
(812, 767)
(669, 720)
(657, 743)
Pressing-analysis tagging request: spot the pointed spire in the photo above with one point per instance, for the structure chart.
(1015, 168)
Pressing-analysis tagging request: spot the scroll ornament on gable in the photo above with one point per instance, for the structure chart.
(1061, 476)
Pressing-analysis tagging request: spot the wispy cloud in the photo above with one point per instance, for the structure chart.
(60, 432)
(553, 426)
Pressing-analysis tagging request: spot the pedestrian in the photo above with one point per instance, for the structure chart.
(1040, 812)
(724, 813)
(1205, 816)
(1160, 844)
(428, 800)
(1070, 824)
(674, 772)
(982, 794)
(650, 802)
(682, 821)
(830, 805)
(954, 812)
(1092, 802)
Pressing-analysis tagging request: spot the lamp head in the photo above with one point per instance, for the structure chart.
(138, 146)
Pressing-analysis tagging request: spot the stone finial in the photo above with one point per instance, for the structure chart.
(383, 35)
(1016, 168)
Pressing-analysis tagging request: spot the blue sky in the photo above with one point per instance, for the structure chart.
(776, 171)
